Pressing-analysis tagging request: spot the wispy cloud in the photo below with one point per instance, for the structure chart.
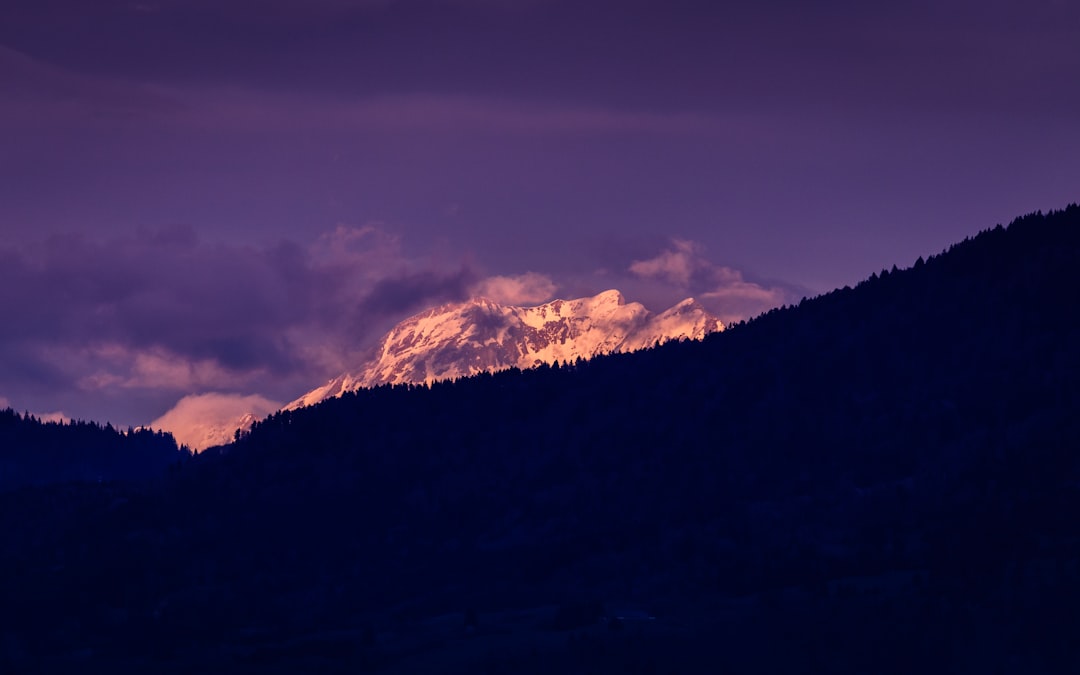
(158, 368)
(36, 92)
(521, 289)
(722, 289)
(676, 265)
(252, 109)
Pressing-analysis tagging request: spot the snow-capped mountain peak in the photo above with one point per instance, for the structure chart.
(461, 339)
(465, 338)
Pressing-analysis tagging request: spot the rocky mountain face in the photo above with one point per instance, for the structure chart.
(465, 338)
(462, 339)
(212, 432)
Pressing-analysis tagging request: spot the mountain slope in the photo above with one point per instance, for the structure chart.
(462, 339)
(884, 479)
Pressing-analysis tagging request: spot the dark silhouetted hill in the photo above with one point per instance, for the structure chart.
(885, 478)
(34, 452)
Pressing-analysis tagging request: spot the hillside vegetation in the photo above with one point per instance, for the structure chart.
(885, 478)
(36, 452)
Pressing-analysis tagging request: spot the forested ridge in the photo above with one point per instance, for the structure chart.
(34, 451)
(884, 478)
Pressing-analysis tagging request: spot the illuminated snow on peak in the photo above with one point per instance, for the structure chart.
(461, 339)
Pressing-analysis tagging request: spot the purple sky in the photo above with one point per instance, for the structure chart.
(237, 196)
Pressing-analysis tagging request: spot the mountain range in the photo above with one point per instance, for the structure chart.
(461, 339)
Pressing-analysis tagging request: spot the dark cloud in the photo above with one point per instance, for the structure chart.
(644, 55)
(166, 311)
(417, 291)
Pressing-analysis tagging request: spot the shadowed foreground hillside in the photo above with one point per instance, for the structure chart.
(34, 452)
(882, 479)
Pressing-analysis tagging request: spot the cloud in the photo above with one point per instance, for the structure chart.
(734, 298)
(164, 310)
(732, 285)
(4, 403)
(368, 247)
(279, 11)
(926, 57)
(143, 319)
(37, 92)
(416, 291)
(243, 109)
(157, 368)
(724, 290)
(203, 420)
(675, 265)
(530, 288)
